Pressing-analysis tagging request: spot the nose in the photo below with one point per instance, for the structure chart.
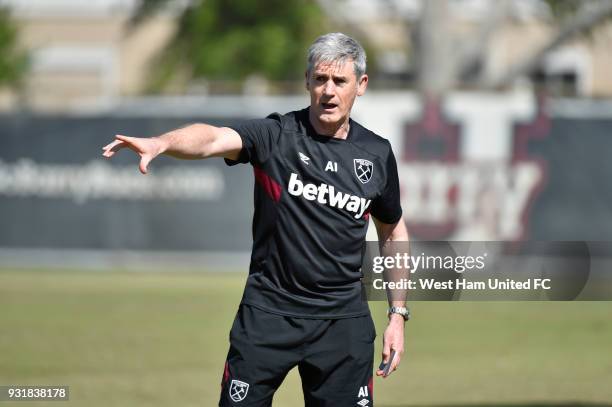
(329, 88)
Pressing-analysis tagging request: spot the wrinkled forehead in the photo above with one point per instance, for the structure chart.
(341, 67)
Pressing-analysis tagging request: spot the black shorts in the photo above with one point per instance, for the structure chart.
(334, 358)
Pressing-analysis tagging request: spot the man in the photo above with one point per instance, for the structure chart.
(319, 175)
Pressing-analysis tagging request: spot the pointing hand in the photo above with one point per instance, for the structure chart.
(147, 148)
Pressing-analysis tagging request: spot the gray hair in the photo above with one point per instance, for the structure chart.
(337, 47)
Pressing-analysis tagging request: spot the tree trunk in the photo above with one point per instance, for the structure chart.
(436, 60)
(586, 19)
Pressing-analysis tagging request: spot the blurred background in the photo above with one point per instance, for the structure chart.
(124, 287)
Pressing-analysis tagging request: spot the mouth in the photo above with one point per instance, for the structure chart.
(329, 106)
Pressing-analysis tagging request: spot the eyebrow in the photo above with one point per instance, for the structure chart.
(315, 74)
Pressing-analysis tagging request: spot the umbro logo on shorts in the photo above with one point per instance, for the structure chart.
(238, 390)
(327, 195)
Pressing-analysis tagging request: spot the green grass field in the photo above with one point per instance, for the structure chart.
(160, 339)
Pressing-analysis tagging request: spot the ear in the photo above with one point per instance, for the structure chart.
(362, 85)
(306, 80)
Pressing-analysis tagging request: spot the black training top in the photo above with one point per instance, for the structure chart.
(313, 198)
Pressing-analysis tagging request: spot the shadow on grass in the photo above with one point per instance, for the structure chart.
(493, 404)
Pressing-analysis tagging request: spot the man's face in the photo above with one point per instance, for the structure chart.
(333, 88)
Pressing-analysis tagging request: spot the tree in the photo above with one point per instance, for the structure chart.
(579, 18)
(446, 59)
(443, 65)
(12, 61)
(234, 39)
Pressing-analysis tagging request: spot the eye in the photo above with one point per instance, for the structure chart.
(320, 78)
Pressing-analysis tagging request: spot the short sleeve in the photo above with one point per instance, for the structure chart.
(259, 138)
(387, 206)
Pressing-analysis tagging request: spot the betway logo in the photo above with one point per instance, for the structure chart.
(327, 195)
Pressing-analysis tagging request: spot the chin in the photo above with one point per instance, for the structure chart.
(329, 117)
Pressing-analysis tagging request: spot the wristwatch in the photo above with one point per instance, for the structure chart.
(403, 311)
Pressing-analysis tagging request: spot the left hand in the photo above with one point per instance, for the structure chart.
(393, 339)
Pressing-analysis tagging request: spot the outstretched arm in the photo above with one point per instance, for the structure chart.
(393, 337)
(191, 142)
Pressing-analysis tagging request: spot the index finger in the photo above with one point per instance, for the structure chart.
(112, 144)
(110, 149)
(395, 361)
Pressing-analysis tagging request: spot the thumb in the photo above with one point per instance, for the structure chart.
(144, 163)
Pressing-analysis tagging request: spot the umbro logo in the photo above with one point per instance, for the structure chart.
(305, 159)
(363, 402)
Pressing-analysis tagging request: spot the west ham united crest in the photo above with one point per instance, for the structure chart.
(363, 169)
(238, 390)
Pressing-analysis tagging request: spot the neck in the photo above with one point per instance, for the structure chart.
(338, 130)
